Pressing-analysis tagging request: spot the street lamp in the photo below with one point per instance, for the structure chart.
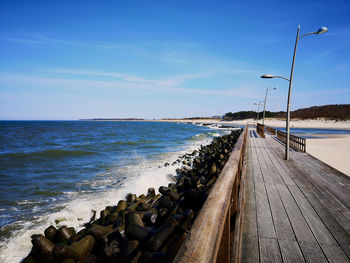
(321, 30)
(267, 89)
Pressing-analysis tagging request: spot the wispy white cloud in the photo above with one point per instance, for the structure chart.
(167, 82)
(137, 50)
(210, 63)
(22, 40)
(37, 39)
(40, 38)
(56, 40)
(175, 54)
(29, 81)
(170, 85)
(47, 39)
(29, 96)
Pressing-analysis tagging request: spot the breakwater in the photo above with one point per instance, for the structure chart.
(147, 228)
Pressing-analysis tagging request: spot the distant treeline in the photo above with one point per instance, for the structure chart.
(242, 115)
(113, 119)
(336, 112)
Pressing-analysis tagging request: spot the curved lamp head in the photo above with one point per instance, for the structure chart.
(267, 76)
(322, 30)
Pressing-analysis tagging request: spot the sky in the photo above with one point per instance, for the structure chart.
(67, 60)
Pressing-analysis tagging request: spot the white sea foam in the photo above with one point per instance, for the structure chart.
(25, 202)
(77, 211)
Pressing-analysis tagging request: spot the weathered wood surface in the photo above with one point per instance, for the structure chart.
(295, 142)
(260, 129)
(271, 130)
(296, 210)
(209, 238)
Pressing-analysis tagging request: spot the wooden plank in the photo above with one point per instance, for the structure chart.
(224, 247)
(269, 250)
(332, 197)
(332, 229)
(264, 168)
(250, 250)
(264, 217)
(328, 197)
(280, 169)
(258, 179)
(290, 251)
(312, 253)
(323, 193)
(327, 232)
(330, 213)
(333, 203)
(249, 214)
(273, 173)
(330, 179)
(236, 236)
(265, 171)
(283, 227)
(309, 222)
(326, 240)
(250, 244)
(335, 254)
(300, 227)
(308, 175)
(320, 231)
(326, 172)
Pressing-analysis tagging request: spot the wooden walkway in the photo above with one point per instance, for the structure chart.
(294, 211)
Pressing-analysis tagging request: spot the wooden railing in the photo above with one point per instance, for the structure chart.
(271, 130)
(260, 129)
(295, 142)
(209, 238)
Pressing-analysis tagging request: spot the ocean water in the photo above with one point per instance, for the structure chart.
(58, 171)
(311, 133)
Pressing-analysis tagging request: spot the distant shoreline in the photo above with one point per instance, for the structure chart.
(112, 119)
(294, 123)
(309, 123)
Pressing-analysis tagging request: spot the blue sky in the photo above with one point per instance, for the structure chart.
(156, 59)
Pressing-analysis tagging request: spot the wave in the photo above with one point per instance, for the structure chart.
(138, 142)
(96, 192)
(200, 136)
(52, 153)
(76, 209)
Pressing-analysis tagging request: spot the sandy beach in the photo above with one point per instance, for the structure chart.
(332, 149)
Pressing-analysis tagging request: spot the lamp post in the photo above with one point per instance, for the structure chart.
(267, 89)
(321, 30)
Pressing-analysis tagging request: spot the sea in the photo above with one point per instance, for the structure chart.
(57, 172)
(315, 133)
